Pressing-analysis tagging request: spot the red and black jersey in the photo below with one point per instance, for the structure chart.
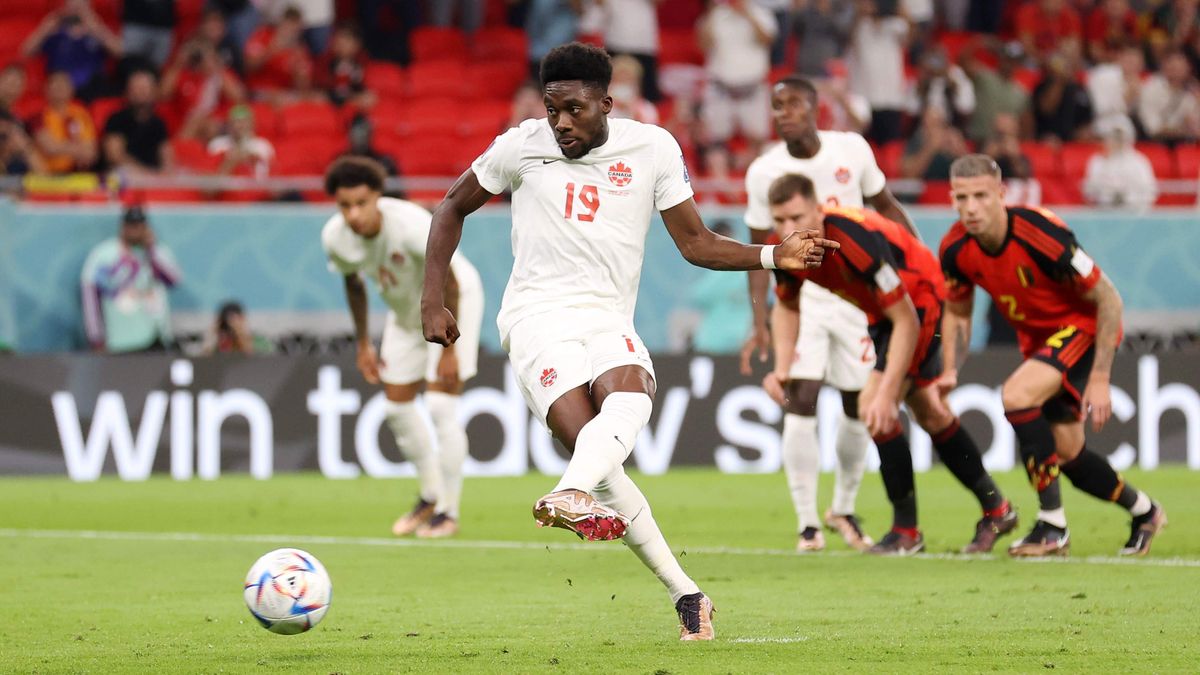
(1037, 279)
(879, 263)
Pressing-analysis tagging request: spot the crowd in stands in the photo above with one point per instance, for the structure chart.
(1081, 100)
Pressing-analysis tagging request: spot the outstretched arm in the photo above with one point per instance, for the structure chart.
(1097, 396)
(464, 198)
(702, 247)
(956, 338)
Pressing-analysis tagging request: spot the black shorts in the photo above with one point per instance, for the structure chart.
(926, 364)
(1071, 352)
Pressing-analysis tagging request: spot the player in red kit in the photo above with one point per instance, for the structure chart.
(885, 271)
(1067, 315)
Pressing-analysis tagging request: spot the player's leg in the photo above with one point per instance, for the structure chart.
(851, 359)
(799, 447)
(895, 468)
(403, 356)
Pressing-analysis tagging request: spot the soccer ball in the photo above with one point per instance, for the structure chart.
(288, 591)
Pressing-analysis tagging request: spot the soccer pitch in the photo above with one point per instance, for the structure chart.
(146, 577)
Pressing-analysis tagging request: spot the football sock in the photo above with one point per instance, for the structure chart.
(1094, 475)
(958, 452)
(801, 463)
(852, 443)
(413, 438)
(603, 443)
(1056, 517)
(643, 537)
(452, 448)
(895, 465)
(1035, 441)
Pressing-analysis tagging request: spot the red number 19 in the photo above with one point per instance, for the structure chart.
(590, 199)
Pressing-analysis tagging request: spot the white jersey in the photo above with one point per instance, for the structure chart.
(579, 225)
(842, 171)
(394, 259)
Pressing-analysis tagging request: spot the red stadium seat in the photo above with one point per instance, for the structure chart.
(429, 117)
(1075, 158)
(954, 42)
(430, 43)
(1028, 78)
(1161, 160)
(266, 120)
(484, 119)
(496, 79)
(29, 106)
(306, 156)
(103, 108)
(499, 43)
(385, 79)
(437, 78)
(310, 118)
(13, 31)
(678, 45)
(935, 192)
(191, 154)
(171, 195)
(1043, 158)
(428, 157)
(1187, 161)
(1062, 192)
(889, 158)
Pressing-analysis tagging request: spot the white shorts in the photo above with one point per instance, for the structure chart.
(555, 352)
(833, 345)
(408, 358)
(723, 115)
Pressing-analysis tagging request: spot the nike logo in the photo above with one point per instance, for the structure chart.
(549, 161)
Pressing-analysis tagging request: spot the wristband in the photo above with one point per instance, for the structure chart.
(766, 256)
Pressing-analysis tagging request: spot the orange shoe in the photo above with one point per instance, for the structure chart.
(409, 522)
(848, 526)
(1144, 529)
(695, 617)
(440, 526)
(579, 512)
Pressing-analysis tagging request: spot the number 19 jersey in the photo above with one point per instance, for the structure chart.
(579, 225)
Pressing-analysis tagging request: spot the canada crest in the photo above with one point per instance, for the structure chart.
(549, 375)
(397, 258)
(620, 175)
(842, 175)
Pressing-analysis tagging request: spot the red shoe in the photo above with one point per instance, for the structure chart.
(579, 512)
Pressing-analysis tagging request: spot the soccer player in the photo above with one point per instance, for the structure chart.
(584, 189)
(833, 345)
(384, 239)
(1067, 315)
(889, 274)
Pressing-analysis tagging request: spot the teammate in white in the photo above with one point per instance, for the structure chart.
(833, 345)
(584, 190)
(384, 239)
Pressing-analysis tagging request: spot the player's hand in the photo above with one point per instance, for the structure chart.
(881, 414)
(803, 250)
(760, 341)
(447, 370)
(367, 360)
(947, 383)
(1097, 401)
(439, 326)
(773, 384)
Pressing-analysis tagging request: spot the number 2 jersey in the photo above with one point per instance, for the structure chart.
(579, 225)
(1037, 279)
(879, 262)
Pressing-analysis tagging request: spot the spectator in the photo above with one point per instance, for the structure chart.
(920, 15)
(1111, 27)
(549, 23)
(1114, 87)
(277, 63)
(74, 40)
(1004, 146)
(147, 29)
(782, 11)
(17, 156)
(241, 150)
(342, 71)
(838, 108)
(197, 88)
(997, 92)
(1169, 103)
(317, 16)
(362, 145)
(64, 133)
(876, 63)
(1061, 108)
(12, 88)
(823, 28)
(470, 13)
(527, 104)
(930, 151)
(135, 137)
(240, 19)
(1119, 175)
(1049, 26)
(631, 28)
(125, 281)
(214, 32)
(736, 39)
(942, 85)
(626, 92)
(1174, 25)
(231, 334)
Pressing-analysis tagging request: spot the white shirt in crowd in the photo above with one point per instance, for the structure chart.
(394, 259)
(1124, 178)
(736, 57)
(1166, 111)
(257, 147)
(1106, 87)
(875, 60)
(631, 26)
(579, 225)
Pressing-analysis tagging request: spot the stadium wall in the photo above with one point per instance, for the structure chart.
(84, 416)
(269, 257)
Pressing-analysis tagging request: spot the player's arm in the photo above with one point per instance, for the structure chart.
(704, 248)
(356, 299)
(956, 340)
(882, 412)
(785, 318)
(1109, 306)
(464, 198)
(889, 207)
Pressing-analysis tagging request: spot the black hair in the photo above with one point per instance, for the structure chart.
(228, 308)
(802, 85)
(790, 185)
(348, 172)
(577, 61)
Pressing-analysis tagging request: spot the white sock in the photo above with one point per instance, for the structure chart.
(452, 448)
(413, 438)
(1142, 506)
(852, 443)
(1056, 517)
(643, 537)
(801, 463)
(605, 442)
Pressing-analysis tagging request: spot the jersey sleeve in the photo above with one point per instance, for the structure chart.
(758, 210)
(341, 260)
(672, 184)
(1053, 246)
(496, 169)
(869, 255)
(959, 286)
(873, 181)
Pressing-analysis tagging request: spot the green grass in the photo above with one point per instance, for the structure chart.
(139, 604)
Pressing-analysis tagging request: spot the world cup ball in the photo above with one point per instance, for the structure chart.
(288, 591)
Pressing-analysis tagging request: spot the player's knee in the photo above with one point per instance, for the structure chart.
(929, 414)
(1015, 395)
(850, 404)
(802, 397)
(1068, 440)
